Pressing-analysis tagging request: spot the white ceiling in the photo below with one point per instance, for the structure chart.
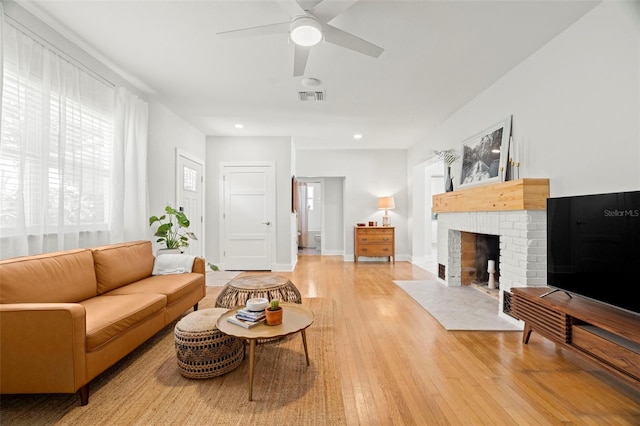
(438, 56)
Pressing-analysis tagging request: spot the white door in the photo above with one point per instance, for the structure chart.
(189, 198)
(248, 217)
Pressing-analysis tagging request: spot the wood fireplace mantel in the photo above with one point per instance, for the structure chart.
(521, 194)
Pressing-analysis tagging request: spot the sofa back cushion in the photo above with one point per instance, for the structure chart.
(59, 277)
(121, 264)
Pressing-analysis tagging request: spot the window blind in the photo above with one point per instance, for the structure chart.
(56, 143)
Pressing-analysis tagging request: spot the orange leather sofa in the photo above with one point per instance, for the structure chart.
(66, 317)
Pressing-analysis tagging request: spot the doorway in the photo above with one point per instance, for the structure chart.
(328, 222)
(310, 216)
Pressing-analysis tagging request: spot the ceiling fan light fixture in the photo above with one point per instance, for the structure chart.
(305, 31)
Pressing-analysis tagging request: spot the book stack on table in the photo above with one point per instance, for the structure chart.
(246, 318)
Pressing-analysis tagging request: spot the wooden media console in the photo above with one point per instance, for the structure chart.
(608, 336)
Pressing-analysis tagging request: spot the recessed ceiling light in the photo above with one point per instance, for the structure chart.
(239, 126)
(495, 151)
(357, 136)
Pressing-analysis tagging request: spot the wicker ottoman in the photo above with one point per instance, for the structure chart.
(202, 350)
(237, 291)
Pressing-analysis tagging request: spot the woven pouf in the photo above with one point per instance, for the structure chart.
(237, 291)
(202, 350)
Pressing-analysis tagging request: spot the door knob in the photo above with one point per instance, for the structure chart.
(266, 223)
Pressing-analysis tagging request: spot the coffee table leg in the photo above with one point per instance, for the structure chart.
(252, 360)
(304, 343)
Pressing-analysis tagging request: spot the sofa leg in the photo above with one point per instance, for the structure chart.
(195, 307)
(84, 394)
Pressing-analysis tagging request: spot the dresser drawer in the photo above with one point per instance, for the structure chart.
(375, 231)
(374, 237)
(376, 250)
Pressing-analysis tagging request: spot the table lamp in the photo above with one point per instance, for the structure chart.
(386, 203)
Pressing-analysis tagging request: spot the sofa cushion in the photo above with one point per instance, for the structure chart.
(173, 286)
(109, 316)
(59, 277)
(167, 264)
(121, 264)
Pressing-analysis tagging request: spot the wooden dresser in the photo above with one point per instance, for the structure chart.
(374, 241)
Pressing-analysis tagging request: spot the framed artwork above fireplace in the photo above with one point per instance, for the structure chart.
(485, 155)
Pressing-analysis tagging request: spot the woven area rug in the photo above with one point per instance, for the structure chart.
(146, 388)
(458, 308)
(220, 278)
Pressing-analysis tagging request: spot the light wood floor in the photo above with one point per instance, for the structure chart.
(398, 366)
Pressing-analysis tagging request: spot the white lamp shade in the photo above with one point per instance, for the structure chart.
(306, 31)
(386, 203)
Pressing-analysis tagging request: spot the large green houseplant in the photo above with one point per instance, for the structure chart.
(172, 229)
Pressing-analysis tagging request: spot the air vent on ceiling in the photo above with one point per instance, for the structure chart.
(312, 96)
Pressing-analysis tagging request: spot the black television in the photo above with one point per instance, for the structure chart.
(593, 247)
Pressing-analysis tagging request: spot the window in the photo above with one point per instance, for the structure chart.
(56, 143)
(189, 176)
(310, 197)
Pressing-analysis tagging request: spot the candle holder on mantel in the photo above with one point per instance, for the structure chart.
(491, 268)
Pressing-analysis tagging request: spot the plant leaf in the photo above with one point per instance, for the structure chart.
(164, 228)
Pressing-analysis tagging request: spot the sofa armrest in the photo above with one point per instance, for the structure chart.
(199, 265)
(42, 348)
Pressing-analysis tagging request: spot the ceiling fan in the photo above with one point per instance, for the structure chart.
(308, 25)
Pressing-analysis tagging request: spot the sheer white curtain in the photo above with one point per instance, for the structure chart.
(130, 220)
(1, 50)
(61, 165)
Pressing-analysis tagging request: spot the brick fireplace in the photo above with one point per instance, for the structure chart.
(514, 212)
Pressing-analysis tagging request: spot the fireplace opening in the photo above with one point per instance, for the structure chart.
(477, 251)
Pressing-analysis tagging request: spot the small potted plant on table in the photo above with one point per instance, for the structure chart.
(274, 313)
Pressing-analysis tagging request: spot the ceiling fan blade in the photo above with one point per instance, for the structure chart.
(300, 56)
(349, 41)
(292, 8)
(269, 29)
(328, 9)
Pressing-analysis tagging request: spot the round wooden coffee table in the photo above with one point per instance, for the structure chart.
(295, 318)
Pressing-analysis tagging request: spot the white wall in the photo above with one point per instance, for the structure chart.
(167, 133)
(333, 240)
(423, 231)
(575, 107)
(368, 174)
(221, 149)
